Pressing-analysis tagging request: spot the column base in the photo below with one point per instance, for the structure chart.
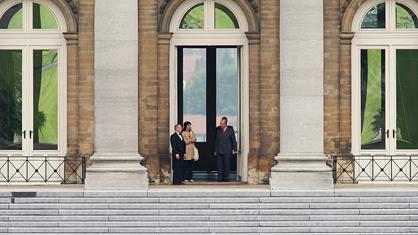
(301, 172)
(116, 171)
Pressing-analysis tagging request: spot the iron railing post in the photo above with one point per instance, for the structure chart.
(83, 167)
(334, 168)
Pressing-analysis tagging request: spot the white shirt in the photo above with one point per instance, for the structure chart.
(179, 135)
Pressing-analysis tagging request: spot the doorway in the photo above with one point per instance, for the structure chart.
(208, 89)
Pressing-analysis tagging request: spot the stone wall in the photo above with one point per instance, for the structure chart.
(80, 80)
(86, 77)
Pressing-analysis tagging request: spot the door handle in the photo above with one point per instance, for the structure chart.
(24, 134)
(30, 134)
(393, 133)
(387, 134)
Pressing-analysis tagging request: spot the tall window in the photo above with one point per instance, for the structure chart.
(385, 78)
(32, 78)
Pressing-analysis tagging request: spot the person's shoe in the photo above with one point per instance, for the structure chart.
(191, 181)
(185, 181)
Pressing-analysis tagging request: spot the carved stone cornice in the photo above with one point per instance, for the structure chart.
(72, 6)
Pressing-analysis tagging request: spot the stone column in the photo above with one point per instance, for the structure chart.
(116, 162)
(301, 163)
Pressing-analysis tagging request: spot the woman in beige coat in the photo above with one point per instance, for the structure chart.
(190, 138)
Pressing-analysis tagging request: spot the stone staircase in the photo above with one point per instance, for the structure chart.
(209, 211)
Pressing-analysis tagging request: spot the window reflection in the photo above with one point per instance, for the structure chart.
(194, 18)
(375, 18)
(12, 18)
(373, 99)
(10, 99)
(194, 90)
(405, 17)
(227, 80)
(407, 99)
(45, 99)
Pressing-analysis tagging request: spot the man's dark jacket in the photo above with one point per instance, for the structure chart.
(225, 141)
(178, 146)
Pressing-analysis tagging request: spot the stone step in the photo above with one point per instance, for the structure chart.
(328, 200)
(220, 211)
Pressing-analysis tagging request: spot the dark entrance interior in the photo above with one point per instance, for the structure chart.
(208, 88)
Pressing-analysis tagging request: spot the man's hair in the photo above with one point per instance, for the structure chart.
(225, 119)
(175, 126)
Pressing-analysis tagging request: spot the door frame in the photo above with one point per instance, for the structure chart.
(232, 39)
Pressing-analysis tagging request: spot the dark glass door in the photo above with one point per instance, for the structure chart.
(208, 88)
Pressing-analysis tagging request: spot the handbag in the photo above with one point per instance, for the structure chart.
(196, 154)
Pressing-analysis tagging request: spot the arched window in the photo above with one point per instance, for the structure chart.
(209, 16)
(385, 78)
(32, 78)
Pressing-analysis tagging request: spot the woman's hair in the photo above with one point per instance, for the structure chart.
(185, 125)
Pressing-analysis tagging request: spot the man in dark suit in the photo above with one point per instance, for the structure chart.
(178, 153)
(225, 147)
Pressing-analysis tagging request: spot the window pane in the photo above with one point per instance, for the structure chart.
(405, 17)
(407, 99)
(375, 18)
(45, 99)
(194, 18)
(10, 100)
(12, 19)
(194, 90)
(373, 99)
(43, 17)
(224, 18)
(227, 80)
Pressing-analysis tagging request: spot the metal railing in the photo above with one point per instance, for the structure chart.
(42, 169)
(375, 168)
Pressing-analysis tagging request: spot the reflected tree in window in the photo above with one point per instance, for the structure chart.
(373, 99)
(405, 17)
(10, 99)
(194, 18)
(375, 18)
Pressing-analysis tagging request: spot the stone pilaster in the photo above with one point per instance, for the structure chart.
(301, 163)
(116, 162)
(72, 93)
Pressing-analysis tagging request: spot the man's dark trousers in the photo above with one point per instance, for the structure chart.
(224, 164)
(178, 170)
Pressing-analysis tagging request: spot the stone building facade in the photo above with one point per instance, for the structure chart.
(294, 84)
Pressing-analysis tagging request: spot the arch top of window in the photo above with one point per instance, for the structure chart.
(209, 15)
(387, 15)
(32, 16)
